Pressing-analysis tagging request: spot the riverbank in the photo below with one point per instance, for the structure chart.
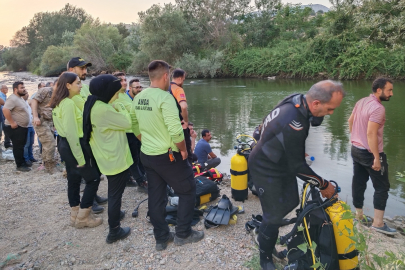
(34, 232)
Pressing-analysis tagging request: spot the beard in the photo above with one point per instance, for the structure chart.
(383, 97)
(22, 94)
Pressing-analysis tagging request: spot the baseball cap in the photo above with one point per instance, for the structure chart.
(77, 62)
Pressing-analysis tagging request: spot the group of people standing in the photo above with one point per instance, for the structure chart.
(134, 137)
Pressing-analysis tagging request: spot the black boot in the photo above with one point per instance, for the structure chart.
(122, 215)
(118, 233)
(97, 209)
(267, 265)
(101, 200)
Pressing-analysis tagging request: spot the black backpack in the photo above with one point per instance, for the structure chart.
(320, 229)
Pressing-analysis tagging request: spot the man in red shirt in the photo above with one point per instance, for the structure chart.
(366, 125)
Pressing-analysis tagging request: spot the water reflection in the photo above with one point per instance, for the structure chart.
(229, 107)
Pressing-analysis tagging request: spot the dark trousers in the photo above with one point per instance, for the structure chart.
(187, 139)
(19, 137)
(278, 197)
(362, 171)
(7, 140)
(89, 172)
(211, 163)
(178, 175)
(136, 169)
(116, 187)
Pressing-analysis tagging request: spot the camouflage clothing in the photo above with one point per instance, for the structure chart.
(43, 97)
(46, 137)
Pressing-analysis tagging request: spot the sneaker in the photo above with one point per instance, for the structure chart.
(101, 200)
(23, 168)
(163, 246)
(97, 209)
(28, 163)
(195, 236)
(143, 187)
(33, 160)
(366, 221)
(131, 182)
(385, 229)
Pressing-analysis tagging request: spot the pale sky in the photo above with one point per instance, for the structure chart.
(14, 14)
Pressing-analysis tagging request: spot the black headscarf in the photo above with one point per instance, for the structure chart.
(102, 88)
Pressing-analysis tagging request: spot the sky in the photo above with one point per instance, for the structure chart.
(14, 14)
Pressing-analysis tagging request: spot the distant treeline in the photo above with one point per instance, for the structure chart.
(217, 38)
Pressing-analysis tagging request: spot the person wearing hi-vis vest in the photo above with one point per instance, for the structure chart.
(68, 121)
(79, 66)
(104, 127)
(155, 121)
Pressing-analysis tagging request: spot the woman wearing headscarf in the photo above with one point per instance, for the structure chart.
(68, 122)
(105, 128)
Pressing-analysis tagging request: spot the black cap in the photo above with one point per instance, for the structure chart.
(77, 62)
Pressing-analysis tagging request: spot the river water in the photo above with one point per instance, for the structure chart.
(229, 107)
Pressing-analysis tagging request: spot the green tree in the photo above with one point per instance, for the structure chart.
(46, 29)
(165, 34)
(97, 43)
(54, 60)
(213, 18)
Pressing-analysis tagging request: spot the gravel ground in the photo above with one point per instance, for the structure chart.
(34, 232)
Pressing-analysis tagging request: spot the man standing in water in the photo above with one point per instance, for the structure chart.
(279, 158)
(366, 125)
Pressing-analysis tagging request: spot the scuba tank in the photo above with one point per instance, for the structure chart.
(239, 169)
(343, 230)
(323, 224)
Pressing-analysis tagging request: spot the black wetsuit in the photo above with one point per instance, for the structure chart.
(276, 161)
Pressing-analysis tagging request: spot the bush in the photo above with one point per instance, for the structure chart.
(140, 63)
(201, 67)
(54, 60)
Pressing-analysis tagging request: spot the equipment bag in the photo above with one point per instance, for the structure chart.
(318, 229)
(206, 190)
(212, 174)
(196, 168)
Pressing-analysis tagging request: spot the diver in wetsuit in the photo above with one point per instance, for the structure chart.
(279, 158)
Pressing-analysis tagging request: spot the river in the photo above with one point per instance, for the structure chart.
(229, 107)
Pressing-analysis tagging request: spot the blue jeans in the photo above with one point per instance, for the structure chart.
(28, 145)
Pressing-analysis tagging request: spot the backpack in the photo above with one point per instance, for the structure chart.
(318, 229)
(206, 190)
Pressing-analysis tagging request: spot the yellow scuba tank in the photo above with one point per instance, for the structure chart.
(239, 168)
(239, 178)
(343, 229)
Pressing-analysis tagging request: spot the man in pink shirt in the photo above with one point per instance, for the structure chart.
(366, 125)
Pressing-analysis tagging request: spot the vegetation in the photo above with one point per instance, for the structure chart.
(209, 38)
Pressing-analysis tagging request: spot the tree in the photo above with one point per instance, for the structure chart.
(97, 42)
(46, 29)
(213, 17)
(165, 34)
